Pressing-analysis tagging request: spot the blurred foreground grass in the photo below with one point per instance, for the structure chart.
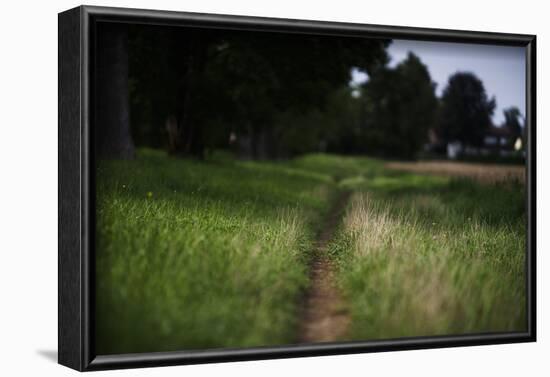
(202, 254)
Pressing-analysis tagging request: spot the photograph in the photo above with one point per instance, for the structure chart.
(261, 188)
(276, 188)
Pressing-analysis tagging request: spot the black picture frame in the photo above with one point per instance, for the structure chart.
(76, 186)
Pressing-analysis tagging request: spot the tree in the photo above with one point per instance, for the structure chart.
(167, 69)
(207, 84)
(271, 78)
(112, 122)
(334, 128)
(465, 110)
(512, 121)
(400, 108)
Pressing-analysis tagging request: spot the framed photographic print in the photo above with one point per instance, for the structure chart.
(238, 188)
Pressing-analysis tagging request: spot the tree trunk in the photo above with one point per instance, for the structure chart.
(112, 121)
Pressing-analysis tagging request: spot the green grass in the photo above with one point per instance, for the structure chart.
(424, 256)
(195, 255)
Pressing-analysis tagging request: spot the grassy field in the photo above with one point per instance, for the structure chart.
(194, 255)
(432, 256)
(202, 255)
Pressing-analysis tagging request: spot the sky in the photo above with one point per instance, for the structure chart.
(500, 68)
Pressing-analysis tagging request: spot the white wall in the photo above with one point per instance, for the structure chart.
(28, 183)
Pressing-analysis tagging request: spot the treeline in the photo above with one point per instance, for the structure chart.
(272, 95)
(192, 90)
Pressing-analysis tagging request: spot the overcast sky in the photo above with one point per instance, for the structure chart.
(501, 68)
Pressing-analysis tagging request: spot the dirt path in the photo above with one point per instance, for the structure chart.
(324, 315)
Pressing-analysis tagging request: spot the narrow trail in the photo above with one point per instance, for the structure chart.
(324, 317)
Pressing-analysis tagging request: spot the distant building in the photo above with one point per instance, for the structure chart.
(498, 141)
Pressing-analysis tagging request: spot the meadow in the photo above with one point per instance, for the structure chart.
(432, 256)
(216, 254)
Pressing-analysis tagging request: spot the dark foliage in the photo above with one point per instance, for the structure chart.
(400, 107)
(192, 88)
(465, 110)
(270, 95)
(512, 121)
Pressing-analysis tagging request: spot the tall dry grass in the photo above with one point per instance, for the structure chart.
(416, 266)
(485, 173)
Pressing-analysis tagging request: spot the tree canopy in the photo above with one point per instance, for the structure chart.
(512, 121)
(274, 95)
(400, 108)
(216, 82)
(466, 110)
